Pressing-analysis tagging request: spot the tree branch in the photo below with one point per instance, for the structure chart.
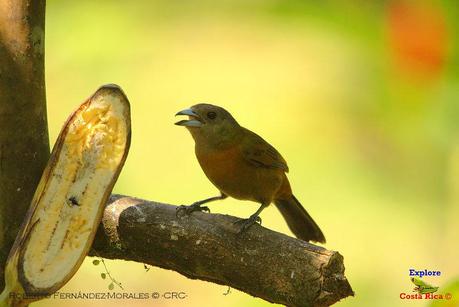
(261, 262)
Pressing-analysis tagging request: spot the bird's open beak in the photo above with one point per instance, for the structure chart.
(193, 121)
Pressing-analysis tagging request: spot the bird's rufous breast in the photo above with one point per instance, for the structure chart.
(233, 175)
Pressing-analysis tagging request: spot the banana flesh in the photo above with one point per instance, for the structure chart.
(68, 203)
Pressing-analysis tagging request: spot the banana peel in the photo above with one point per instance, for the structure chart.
(68, 203)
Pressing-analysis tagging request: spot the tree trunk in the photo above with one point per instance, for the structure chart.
(24, 145)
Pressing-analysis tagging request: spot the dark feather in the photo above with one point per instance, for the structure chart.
(260, 153)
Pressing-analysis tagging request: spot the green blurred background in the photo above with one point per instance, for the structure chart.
(360, 97)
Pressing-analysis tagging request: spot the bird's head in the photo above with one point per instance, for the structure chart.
(210, 125)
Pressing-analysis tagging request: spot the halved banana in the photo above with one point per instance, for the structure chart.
(67, 206)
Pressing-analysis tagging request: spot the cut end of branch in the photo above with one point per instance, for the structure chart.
(335, 285)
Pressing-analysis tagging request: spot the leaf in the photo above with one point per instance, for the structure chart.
(96, 262)
(103, 275)
(111, 286)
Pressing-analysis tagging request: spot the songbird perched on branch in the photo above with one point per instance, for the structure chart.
(244, 166)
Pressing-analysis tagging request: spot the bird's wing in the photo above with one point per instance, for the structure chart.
(260, 153)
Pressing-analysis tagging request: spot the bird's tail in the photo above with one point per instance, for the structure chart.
(298, 220)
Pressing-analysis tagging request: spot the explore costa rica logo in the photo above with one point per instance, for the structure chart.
(423, 289)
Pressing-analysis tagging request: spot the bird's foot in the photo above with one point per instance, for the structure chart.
(246, 223)
(187, 210)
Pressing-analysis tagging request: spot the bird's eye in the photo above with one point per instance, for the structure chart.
(211, 115)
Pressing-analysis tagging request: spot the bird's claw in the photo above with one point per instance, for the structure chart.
(203, 209)
(247, 223)
(187, 210)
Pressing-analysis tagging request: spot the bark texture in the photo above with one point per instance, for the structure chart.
(261, 262)
(24, 145)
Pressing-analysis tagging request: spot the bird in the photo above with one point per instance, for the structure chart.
(242, 165)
